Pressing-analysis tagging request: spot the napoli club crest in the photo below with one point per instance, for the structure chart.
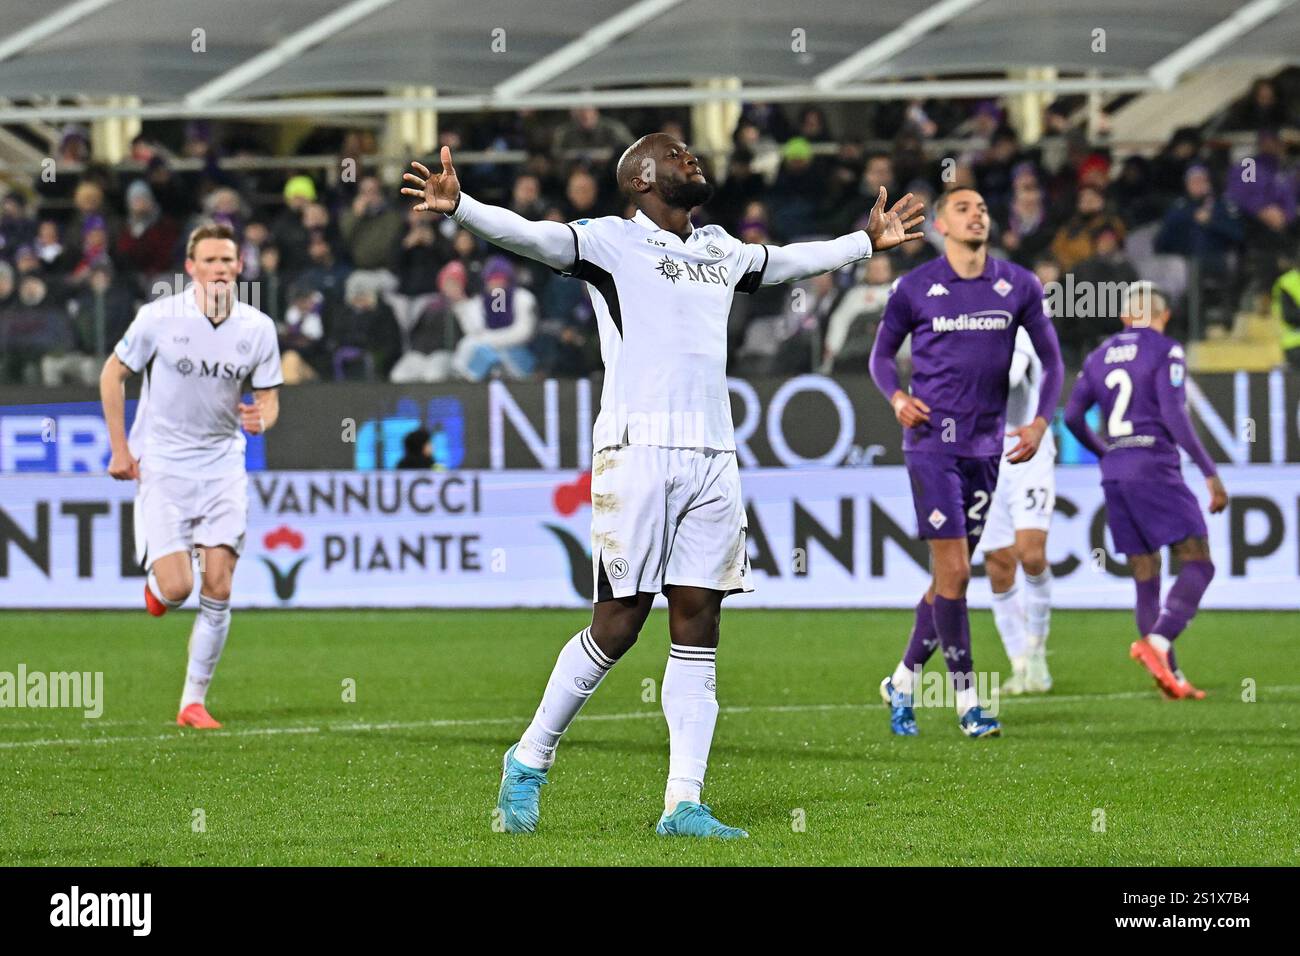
(185, 366)
(244, 347)
(713, 250)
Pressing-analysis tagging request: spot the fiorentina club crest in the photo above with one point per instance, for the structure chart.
(670, 269)
(185, 366)
(1002, 287)
(937, 519)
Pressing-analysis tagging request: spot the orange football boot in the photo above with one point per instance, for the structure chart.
(1157, 664)
(154, 606)
(196, 715)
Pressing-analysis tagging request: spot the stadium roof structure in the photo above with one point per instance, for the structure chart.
(155, 59)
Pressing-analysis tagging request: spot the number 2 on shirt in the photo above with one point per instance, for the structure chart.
(1117, 425)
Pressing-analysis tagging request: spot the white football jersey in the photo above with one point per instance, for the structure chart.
(187, 420)
(1022, 399)
(661, 305)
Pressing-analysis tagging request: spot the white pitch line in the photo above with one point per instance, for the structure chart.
(630, 715)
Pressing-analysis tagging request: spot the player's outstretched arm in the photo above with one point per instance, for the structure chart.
(885, 230)
(908, 409)
(112, 393)
(550, 243)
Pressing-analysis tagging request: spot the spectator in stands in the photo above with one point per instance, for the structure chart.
(289, 229)
(1201, 226)
(421, 255)
(790, 343)
(1076, 240)
(436, 331)
(364, 330)
(94, 250)
(1286, 310)
(994, 172)
(36, 337)
(370, 228)
(27, 262)
(1029, 228)
(465, 249)
(1261, 109)
(1169, 168)
(741, 186)
(256, 236)
(8, 288)
(271, 285)
(499, 325)
(73, 151)
(324, 272)
(567, 342)
(91, 214)
(304, 351)
(17, 228)
(1106, 269)
(102, 310)
(590, 134)
(813, 126)
(1133, 194)
(851, 329)
(582, 196)
(146, 241)
(48, 245)
(526, 197)
(797, 192)
(1264, 191)
(878, 171)
(224, 205)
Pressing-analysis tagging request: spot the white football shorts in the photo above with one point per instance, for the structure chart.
(1023, 498)
(667, 516)
(174, 513)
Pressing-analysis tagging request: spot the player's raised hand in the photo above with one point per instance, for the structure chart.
(909, 410)
(1218, 494)
(1031, 436)
(893, 227)
(123, 465)
(250, 416)
(438, 192)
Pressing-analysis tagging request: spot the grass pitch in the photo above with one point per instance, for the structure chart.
(1101, 771)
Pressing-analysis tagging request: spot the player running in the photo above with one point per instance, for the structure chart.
(962, 311)
(1137, 376)
(186, 450)
(1015, 535)
(667, 513)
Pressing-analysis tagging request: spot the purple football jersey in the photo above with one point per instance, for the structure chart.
(963, 335)
(1137, 377)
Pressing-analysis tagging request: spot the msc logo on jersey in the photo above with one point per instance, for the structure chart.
(672, 270)
(222, 370)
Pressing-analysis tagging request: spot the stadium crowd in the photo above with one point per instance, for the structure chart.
(361, 287)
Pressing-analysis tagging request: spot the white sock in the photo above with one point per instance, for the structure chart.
(904, 679)
(966, 699)
(1160, 642)
(690, 702)
(152, 583)
(1038, 606)
(578, 671)
(206, 641)
(1009, 616)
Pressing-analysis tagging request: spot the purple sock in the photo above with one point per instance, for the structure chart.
(1148, 605)
(924, 640)
(953, 626)
(1184, 598)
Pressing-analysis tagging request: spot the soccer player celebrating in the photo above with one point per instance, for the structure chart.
(1137, 376)
(186, 450)
(1015, 535)
(667, 513)
(962, 311)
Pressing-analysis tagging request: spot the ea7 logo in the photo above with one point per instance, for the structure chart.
(103, 909)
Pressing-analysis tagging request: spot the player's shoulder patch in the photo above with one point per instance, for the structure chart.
(1177, 374)
(1176, 352)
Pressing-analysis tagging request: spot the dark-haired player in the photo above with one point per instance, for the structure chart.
(962, 312)
(1137, 377)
